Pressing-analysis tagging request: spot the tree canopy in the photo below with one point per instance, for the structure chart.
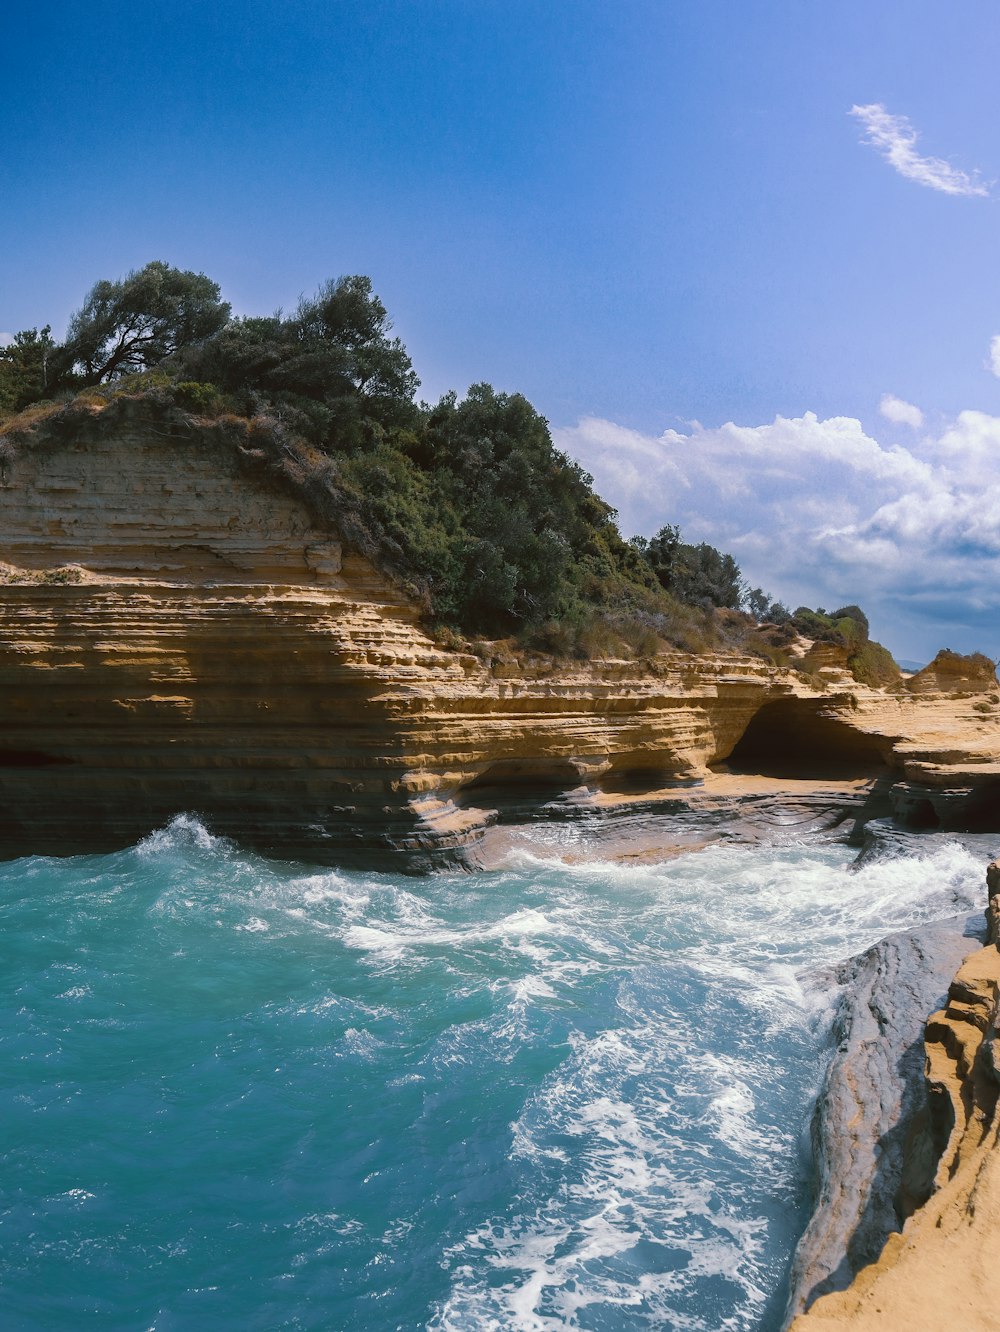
(332, 365)
(465, 501)
(139, 321)
(700, 575)
(26, 369)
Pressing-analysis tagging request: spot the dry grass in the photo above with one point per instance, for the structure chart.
(30, 417)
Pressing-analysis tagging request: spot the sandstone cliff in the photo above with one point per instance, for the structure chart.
(177, 632)
(942, 1270)
(952, 673)
(872, 1142)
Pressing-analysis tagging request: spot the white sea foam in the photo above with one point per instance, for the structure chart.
(371, 940)
(183, 831)
(622, 1146)
(254, 925)
(669, 1006)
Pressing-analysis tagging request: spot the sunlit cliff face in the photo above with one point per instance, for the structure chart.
(178, 634)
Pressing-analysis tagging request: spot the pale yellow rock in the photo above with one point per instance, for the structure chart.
(952, 673)
(176, 633)
(943, 1270)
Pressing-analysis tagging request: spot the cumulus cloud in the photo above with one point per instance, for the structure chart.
(901, 412)
(819, 512)
(896, 139)
(994, 361)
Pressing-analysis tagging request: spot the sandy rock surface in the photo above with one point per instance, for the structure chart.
(871, 1129)
(177, 635)
(943, 1269)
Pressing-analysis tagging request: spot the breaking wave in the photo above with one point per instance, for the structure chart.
(252, 1094)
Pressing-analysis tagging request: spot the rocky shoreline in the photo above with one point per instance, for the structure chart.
(905, 1139)
(183, 635)
(870, 1130)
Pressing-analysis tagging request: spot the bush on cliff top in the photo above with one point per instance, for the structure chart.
(465, 502)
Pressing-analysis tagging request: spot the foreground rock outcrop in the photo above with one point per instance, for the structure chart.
(952, 673)
(177, 632)
(941, 1270)
(872, 1140)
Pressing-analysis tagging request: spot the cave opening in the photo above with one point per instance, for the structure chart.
(514, 786)
(792, 737)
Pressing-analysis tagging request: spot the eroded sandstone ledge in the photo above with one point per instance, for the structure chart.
(942, 1269)
(178, 633)
(872, 1142)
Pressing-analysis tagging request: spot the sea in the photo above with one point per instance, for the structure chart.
(241, 1093)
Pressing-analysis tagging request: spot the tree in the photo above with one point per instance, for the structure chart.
(331, 368)
(141, 320)
(533, 542)
(341, 350)
(855, 613)
(27, 372)
(757, 602)
(699, 575)
(661, 551)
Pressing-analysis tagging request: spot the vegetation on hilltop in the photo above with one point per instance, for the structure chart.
(466, 502)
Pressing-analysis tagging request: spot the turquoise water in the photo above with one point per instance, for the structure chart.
(244, 1094)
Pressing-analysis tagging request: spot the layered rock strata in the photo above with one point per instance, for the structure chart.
(941, 1269)
(953, 673)
(177, 632)
(871, 1131)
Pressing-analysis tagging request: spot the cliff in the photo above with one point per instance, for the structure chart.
(179, 632)
(941, 1269)
(872, 1141)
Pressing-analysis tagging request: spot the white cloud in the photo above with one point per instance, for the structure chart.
(6, 339)
(995, 354)
(819, 512)
(901, 412)
(896, 139)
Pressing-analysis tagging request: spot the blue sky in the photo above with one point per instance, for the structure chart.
(659, 220)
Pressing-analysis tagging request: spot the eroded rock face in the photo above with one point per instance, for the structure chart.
(872, 1138)
(942, 1269)
(177, 634)
(953, 673)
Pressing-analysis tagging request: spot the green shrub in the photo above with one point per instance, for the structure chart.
(466, 503)
(203, 399)
(874, 665)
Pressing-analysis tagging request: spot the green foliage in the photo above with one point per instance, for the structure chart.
(203, 399)
(467, 502)
(26, 373)
(331, 370)
(343, 335)
(856, 614)
(757, 602)
(869, 662)
(816, 624)
(537, 544)
(139, 321)
(699, 575)
(874, 665)
(392, 511)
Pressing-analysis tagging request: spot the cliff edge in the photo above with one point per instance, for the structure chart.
(179, 632)
(941, 1269)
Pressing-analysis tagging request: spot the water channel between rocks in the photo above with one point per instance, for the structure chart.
(249, 1094)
